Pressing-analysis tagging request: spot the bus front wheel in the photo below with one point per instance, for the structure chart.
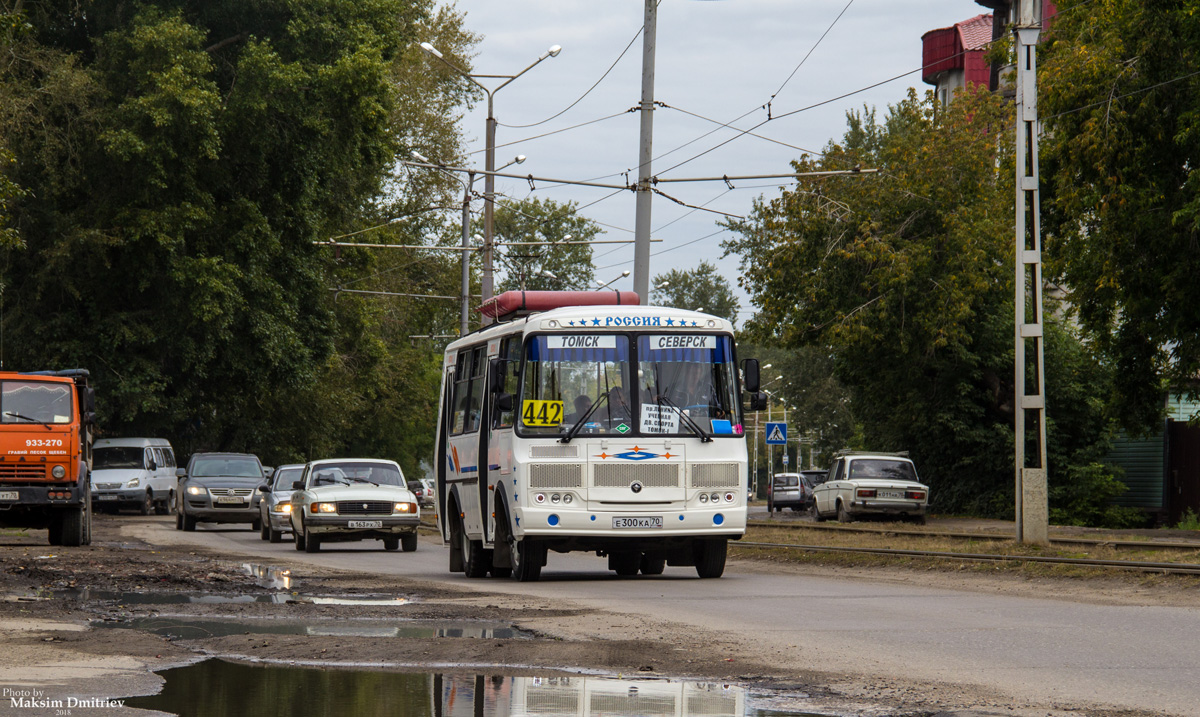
(710, 556)
(528, 556)
(475, 559)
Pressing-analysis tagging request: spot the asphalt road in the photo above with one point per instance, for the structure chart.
(1048, 651)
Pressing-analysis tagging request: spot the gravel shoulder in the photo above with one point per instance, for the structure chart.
(50, 648)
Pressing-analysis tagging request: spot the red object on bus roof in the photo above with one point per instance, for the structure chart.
(524, 302)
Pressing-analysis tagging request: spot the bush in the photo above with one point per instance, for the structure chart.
(1085, 499)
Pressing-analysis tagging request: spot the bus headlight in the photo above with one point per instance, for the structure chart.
(704, 497)
(714, 497)
(567, 498)
(58, 471)
(555, 498)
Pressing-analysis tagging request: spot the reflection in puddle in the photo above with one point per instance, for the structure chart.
(216, 687)
(269, 576)
(196, 629)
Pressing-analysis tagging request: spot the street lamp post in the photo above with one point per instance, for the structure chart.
(465, 292)
(602, 284)
(489, 182)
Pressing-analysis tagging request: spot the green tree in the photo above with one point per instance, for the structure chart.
(904, 280)
(699, 288)
(1121, 159)
(180, 159)
(544, 220)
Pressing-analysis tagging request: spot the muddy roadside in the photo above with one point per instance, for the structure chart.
(56, 604)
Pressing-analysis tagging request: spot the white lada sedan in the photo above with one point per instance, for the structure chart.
(344, 499)
(862, 484)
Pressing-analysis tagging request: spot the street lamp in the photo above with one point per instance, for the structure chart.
(489, 181)
(602, 284)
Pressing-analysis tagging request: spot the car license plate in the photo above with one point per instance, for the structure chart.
(108, 497)
(646, 521)
(893, 494)
(10, 495)
(365, 524)
(230, 499)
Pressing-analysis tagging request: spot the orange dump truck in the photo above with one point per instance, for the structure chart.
(46, 420)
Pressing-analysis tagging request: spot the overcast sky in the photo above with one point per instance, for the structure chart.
(717, 61)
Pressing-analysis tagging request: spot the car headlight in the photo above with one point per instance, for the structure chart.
(196, 490)
(281, 508)
(404, 508)
(58, 471)
(133, 483)
(324, 507)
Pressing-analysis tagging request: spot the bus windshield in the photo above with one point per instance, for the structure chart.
(686, 377)
(566, 375)
(683, 382)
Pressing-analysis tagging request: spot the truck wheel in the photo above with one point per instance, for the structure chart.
(710, 556)
(70, 531)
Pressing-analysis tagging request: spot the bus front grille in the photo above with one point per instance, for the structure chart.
(662, 475)
(556, 475)
(554, 451)
(714, 475)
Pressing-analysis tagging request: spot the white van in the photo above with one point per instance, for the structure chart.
(134, 472)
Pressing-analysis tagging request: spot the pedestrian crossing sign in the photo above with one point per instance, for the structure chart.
(776, 434)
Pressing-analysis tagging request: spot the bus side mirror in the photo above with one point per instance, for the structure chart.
(498, 371)
(750, 375)
(504, 402)
(758, 401)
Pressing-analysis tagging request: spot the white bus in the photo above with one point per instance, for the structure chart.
(585, 422)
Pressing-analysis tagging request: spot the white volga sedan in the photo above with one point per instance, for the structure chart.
(344, 499)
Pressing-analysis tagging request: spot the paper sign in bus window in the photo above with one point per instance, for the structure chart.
(581, 341)
(683, 341)
(659, 419)
(542, 413)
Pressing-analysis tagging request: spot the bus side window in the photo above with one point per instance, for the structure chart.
(462, 396)
(478, 368)
(510, 350)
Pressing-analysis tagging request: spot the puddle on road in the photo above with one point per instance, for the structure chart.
(180, 598)
(217, 687)
(193, 629)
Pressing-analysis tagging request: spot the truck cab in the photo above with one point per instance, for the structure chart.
(46, 421)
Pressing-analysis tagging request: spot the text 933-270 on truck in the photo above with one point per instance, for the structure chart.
(46, 421)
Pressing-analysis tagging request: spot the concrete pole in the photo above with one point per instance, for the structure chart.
(465, 318)
(641, 229)
(489, 200)
(1032, 505)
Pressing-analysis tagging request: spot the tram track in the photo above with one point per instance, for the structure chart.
(971, 535)
(1141, 566)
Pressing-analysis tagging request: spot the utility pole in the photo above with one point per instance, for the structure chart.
(641, 229)
(1032, 505)
(465, 316)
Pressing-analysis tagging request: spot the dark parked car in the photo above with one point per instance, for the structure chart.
(788, 490)
(219, 488)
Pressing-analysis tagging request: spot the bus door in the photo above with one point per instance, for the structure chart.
(445, 417)
(462, 455)
(502, 379)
